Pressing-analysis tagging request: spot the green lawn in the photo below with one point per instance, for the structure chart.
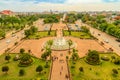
(94, 72)
(42, 34)
(82, 35)
(30, 71)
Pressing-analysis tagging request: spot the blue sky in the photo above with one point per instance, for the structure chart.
(47, 1)
(62, 1)
(60, 5)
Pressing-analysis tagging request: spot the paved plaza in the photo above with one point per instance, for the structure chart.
(59, 66)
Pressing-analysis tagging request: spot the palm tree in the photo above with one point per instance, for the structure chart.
(50, 43)
(69, 43)
(75, 54)
(48, 51)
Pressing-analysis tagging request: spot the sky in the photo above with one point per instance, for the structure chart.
(59, 5)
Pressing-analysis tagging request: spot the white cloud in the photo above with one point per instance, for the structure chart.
(82, 1)
(77, 5)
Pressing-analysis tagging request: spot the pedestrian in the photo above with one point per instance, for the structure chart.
(66, 76)
(62, 68)
(60, 72)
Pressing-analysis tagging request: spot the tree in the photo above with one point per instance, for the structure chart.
(50, 43)
(27, 33)
(39, 69)
(1, 20)
(5, 69)
(2, 33)
(44, 56)
(79, 16)
(75, 55)
(115, 71)
(22, 50)
(93, 57)
(117, 22)
(33, 29)
(25, 59)
(21, 72)
(85, 29)
(117, 61)
(81, 69)
(46, 53)
(111, 29)
(70, 44)
(103, 26)
(7, 57)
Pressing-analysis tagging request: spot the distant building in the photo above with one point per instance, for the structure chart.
(117, 18)
(7, 12)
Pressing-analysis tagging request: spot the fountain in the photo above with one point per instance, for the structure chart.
(60, 43)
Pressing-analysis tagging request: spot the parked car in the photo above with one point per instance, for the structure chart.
(13, 35)
(106, 41)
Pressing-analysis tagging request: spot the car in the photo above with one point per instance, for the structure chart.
(118, 40)
(99, 34)
(13, 35)
(106, 41)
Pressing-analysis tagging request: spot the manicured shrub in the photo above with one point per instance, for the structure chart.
(5, 69)
(105, 58)
(39, 69)
(7, 57)
(113, 57)
(72, 66)
(22, 50)
(21, 72)
(117, 61)
(81, 69)
(115, 71)
(46, 66)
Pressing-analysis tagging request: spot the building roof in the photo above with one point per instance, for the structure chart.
(117, 18)
(6, 12)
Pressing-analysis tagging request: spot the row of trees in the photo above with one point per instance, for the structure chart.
(8, 23)
(100, 23)
(39, 69)
(53, 18)
(31, 31)
(71, 18)
(103, 25)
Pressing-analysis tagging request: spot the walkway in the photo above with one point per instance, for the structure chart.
(59, 69)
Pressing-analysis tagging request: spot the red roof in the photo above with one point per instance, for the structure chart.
(117, 18)
(6, 12)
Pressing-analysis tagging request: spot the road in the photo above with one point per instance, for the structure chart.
(104, 37)
(10, 40)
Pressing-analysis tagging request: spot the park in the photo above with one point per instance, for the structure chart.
(55, 47)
